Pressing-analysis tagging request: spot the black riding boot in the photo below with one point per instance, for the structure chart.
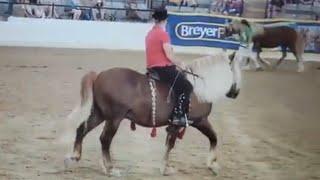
(180, 112)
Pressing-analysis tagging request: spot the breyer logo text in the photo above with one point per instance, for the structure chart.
(199, 31)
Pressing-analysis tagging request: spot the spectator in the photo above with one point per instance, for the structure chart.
(274, 7)
(98, 12)
(217, 5)
(49, 12)
(183, 3)
(32, 10)
(233, 7)
(131, 10)
(10, 8)
(193, 3)
(307, 2)
(72, 9)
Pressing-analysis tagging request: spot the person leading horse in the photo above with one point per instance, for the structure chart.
(246, 32)
(270, 36)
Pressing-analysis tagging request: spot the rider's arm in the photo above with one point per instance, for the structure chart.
(170, 54)
(168, 49)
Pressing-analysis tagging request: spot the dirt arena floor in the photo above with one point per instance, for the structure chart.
(271, 132)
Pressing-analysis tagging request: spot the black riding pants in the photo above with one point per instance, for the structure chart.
(178, 80)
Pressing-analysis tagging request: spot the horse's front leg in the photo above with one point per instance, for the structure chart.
(205, 128)
(263, 61)
(284, 55)
(172, 132)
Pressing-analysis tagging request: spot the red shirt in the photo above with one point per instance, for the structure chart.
(156, 56)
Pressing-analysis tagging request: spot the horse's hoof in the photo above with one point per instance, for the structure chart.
(215, 168)
(300, 69)
(110, 170)
(114, 172)
(259, 69)
(167, 171)
(69, 161)
(245, 68)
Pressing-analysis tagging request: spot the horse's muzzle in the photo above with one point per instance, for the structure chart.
(233, 92)
(227, 32)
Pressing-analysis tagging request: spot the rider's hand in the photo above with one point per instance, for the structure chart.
(181, 65)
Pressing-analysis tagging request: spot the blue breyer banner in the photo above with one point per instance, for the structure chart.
(208, 31)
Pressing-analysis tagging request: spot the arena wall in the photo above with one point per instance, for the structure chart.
(58, 33)
(72, 34)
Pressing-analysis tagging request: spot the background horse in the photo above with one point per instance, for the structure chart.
(121, 93)
(272, 37)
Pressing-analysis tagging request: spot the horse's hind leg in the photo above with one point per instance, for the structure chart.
(172, 132)
(106, 137)
(85, 127)
(205, 128)
(298, 50)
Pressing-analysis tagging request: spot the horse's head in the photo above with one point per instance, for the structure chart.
(235, 68)
(232, 28)
(220, 77)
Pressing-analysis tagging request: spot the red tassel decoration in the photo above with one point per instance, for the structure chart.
(153, 132)
(181, 133)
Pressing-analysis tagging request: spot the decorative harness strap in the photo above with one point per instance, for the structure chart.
(152, 84)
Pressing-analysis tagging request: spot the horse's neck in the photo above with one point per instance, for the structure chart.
(215, 77)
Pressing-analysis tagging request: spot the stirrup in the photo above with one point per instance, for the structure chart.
(182, 121)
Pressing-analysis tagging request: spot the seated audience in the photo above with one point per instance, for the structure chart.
(233, 7)
(34, 11)
(72, 9)
(98, 12)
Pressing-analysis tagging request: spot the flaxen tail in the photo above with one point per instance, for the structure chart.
(83, 110)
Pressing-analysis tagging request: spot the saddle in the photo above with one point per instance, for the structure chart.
(151, 74)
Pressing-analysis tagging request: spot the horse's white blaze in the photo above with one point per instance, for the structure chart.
(216, 76)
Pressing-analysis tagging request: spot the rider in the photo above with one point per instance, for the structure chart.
(246, 33)
(160, 58)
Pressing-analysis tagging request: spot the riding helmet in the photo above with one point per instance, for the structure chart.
(160, 14)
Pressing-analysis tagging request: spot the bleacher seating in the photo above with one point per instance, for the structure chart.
(302, 9)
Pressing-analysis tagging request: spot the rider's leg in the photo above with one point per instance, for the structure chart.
(185, 87)
(181, 88)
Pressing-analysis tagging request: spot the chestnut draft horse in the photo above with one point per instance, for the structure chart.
(272, 36)
(120, 93)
